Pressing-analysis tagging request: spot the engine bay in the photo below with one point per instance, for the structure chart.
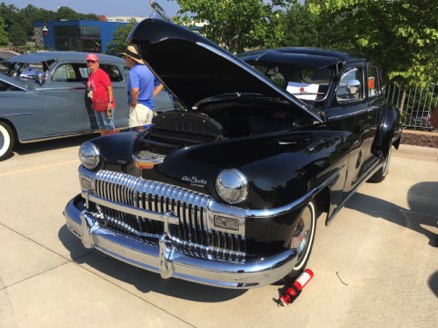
(220, 120)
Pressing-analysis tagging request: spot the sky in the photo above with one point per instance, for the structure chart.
(100, 7)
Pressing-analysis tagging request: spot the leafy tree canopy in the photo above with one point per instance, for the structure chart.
(402, 35)
(233, 24)
(3, 35)
(118, 43)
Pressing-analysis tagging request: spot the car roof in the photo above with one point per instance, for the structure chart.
(299, 56)
(37, 57)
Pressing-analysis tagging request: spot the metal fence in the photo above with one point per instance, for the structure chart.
(416, 104)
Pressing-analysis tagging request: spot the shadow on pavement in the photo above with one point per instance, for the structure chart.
(422, 211)
(143, 280)
(433, 283)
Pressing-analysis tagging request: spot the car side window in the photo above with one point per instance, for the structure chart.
(113, 71)
(350, 86)
(374, 85)
(64, 73)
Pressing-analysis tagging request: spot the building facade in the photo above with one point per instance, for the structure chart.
(77, 35)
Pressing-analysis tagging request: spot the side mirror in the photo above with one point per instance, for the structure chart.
(353, 87)
(40, 77)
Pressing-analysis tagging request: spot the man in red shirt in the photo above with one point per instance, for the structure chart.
(100, 92)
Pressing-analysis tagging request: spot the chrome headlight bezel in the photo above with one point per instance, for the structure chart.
(89, 155)
(232, 186)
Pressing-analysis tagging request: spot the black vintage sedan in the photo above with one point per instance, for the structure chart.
(226, 191)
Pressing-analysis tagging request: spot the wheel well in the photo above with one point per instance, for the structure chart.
(14, 131)
(322, 200)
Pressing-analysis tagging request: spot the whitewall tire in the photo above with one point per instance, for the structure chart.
(6, 140)
(303, 235)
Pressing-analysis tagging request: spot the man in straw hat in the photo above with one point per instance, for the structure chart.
(142, 87)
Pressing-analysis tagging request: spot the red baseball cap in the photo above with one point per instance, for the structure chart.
(92, 57)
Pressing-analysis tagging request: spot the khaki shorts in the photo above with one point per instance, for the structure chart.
(140, 115)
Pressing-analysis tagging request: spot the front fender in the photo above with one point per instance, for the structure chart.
(116, 150)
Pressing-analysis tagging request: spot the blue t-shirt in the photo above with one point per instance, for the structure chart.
(141, 77)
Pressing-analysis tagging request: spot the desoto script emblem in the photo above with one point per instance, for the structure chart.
(194, 180)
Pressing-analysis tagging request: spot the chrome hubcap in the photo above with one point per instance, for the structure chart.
(302, 234)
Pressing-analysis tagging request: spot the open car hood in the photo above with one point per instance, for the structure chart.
(193, 68)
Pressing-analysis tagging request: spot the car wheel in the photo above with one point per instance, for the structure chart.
(381, 174)
(303, 234)
(6, 140)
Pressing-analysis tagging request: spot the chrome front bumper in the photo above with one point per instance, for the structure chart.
(167, 261)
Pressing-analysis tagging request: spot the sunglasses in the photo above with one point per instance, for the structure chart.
(91, 61)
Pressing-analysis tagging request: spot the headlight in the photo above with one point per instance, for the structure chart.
(89, 155)
(232, 186)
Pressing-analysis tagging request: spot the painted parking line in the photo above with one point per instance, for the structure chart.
(38, 168)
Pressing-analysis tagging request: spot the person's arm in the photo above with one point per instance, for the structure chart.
(110, 97)
(157, 90)
(134, 97)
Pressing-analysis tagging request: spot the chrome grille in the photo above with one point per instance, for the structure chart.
(192, 233)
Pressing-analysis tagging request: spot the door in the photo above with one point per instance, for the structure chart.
(351, 112)
(66, 105)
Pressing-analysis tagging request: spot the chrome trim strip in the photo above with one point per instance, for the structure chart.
(54, 137)
(347, 115)
(65, 88)
(171, 263)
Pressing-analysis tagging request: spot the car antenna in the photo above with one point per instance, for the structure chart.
(158, 11)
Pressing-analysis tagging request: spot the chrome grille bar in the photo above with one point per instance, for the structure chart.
(193, 231)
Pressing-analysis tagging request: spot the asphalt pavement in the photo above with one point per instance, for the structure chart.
(375, 265)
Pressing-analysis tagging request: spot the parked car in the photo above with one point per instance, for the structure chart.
(227, 191)
(43, 96)
(419, 119)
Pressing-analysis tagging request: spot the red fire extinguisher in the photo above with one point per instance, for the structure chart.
(294, 289)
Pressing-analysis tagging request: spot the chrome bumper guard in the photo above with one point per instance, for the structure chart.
(169, 262)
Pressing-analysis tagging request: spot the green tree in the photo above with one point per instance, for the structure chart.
(402, 35)
(30, 14)
(67, 14)
(118, 43)
(92, 17)
(299, 26)
(4, 40)
(17, 34)
(234, 24)
(9, 14)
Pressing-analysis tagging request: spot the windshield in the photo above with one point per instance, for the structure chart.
(24, 71)
(307, 84)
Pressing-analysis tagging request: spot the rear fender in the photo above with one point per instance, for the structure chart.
(389, 132)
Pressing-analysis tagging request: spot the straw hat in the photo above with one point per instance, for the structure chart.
(132, 52)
